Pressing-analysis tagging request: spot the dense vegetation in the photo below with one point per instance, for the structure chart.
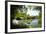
(18, 12)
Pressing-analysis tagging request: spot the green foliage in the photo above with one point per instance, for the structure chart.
(25, 18)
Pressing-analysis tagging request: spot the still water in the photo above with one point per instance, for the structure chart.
(33, 23)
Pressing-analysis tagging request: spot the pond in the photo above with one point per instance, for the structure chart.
(33, 23)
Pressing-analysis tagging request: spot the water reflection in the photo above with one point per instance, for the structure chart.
(33, 23)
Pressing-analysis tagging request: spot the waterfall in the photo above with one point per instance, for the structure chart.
(32, 12)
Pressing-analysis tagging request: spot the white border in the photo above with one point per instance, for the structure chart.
(28, 29)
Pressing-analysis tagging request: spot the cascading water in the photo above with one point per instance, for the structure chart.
(32, 12)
